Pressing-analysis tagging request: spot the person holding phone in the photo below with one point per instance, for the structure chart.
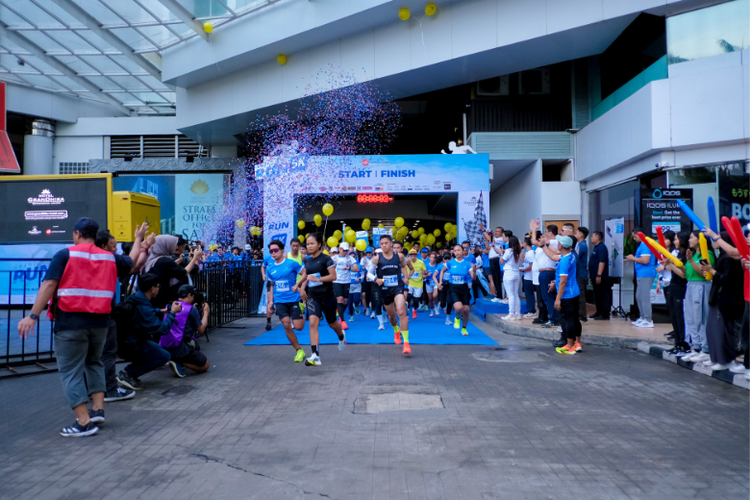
(696, 298)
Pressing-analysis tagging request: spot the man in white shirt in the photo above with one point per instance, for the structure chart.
(496, 249)
(547, 266)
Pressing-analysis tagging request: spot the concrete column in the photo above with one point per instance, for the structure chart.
(37, 149)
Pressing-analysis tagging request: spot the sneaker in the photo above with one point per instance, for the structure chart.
(344, 326)
(684, 353)
(504, 301)
(560, 343)
(636, 322)
(538, 321)
(177, 369)
(300, 356)
(342, 343)
(119, 394)
(496, 300)
(707, 362)
(397, 337)
(457, 323)
(559, 329)
(268, 327)
(529, 315)
(432, 314)
(719, 367)
(129, 382)
(464, 332)
(313, 360)
(701, 357)
(579, 347)
(645, 324)
(407, 348)
(78, 430)
(381, 327)
(372, 315)
(736, 367)
(548, 324)
(690, 356)
(96, 416)
(448, 321)
(509, 317)
(414, 314)
(602, 318)
(566, 350)
(747, 376)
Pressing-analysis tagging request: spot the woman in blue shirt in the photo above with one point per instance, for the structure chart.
(645, 273)
(462, 273)
(567, 297)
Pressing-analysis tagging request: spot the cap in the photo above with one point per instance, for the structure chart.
(335, 249)
(413, 252)
(186, 290)
(248, 247)
(86, 223)
(368, 249)
(344, 245)
(565, 241)
(425, 249)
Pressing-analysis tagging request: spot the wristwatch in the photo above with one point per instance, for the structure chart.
(34, 317)
(715, 239)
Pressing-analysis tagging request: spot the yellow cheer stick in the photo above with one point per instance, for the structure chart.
(664, 252)
(704, 253)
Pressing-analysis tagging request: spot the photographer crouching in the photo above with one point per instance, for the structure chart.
(180, 341)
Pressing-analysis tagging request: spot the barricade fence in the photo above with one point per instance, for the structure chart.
(233, 290)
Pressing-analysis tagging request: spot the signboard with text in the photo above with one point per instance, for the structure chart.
(660, 208)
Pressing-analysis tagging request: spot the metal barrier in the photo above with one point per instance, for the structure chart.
(232, 290)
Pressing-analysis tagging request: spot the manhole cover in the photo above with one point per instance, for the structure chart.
(511, 348)
(178, 391)
(397, 401)
(510, 355)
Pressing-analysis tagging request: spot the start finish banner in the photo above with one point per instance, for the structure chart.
(288, 175)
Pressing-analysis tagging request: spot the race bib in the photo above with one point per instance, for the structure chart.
(282, 286)
(415, 276)
(390, 281)
(314, 283)
(457, 280)
(446, 276)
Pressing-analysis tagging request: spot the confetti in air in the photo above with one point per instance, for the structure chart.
(337, 117)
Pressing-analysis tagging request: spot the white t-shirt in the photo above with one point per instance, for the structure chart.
(538, 254)
(493, 254)
(511, 265)
(528, 260)
(365, 262)
(544, 261)
(343, 275)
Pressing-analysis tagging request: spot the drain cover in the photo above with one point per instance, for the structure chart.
(178, 391)
(510, 355)
(397, 401)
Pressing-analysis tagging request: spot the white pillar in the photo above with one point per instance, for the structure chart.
(37, 149)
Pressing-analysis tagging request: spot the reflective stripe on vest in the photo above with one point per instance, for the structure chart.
(89, 281)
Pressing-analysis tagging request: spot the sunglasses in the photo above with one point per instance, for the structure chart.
(274, 250)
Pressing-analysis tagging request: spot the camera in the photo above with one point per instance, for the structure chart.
(200, 299)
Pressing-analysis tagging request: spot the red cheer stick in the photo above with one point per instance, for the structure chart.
(660, 235)
(729, 229)
(653, 250)
(739, 238)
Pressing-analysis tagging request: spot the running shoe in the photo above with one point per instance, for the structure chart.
(176, 369)
(637, 322)
(414, 314)
(118, 394)
(736, 367)
(96, 416)
(351, 318)
(645, 324)
(78, 430)
(372, 315)
(457, 323)
(407, 348)
(529, 315)
(578, 347)
(397, 337)
(313, 360)
(448, 321)
(464, 332)
(268, 326)
(344, 326)
(432, 314)
(342, 344)
(566, 350)
(381, 327)
(300, 356)
(128, 382)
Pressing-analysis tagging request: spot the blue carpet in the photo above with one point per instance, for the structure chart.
(363, 330)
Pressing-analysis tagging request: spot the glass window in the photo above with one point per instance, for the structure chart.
(707, 32)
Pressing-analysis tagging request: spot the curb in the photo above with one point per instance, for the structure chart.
(736, 379)
(519, 330)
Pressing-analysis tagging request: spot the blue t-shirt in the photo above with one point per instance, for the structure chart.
(284, 277)
(430, 269)
(460, 271)
(582, 251)
(214, 258)
(446, 274)
(471, 258)
(645, 270)
(567, 267)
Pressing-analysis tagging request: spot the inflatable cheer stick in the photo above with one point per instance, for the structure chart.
(741, 241)
(660, 235)
(691, 215)
(653, 250)
(712, 222)
(677, 262)
(704, 253)
(729, 228)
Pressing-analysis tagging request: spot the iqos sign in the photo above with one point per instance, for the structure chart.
(673, 193)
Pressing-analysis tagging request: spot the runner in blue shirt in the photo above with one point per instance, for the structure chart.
(462, 273)
(567, 297)
(269, 295)
(429, 285)
(282, 276)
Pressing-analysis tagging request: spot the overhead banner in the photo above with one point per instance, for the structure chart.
(661, 209)
(290, 174)
(614, 233)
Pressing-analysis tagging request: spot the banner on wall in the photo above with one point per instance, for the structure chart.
(351, 175)
(197, 198)
(377, 232)
(734, 190)
(661, 209)
(614, 234)
(364, 236)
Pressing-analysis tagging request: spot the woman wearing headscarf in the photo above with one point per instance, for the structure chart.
(171, 275)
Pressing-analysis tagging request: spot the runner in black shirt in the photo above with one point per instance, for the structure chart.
(318, 274)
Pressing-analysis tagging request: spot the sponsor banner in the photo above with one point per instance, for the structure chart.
(377, 232)
(734, 190)
(661, 209)
(197, 198)
(22, 268)
(614, 233)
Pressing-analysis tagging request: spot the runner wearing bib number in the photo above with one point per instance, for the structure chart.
(462, 273)
(345, 264)
(429, 286)
(388, 267)
(416, 281)
(282, 274)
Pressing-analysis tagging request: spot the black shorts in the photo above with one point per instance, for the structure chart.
(289, 309)
(268, 285)
(324, 305)
(341, 289)
(460, 293)
(366, 287)
(388, 295)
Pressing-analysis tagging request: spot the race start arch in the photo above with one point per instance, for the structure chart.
(287, 176)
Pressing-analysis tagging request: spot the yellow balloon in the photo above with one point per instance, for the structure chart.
(381, 226)
(241, 222)
(332, 242)
(337, 234)
(325, 252)
(366, 224)
(208, 27)
(318, 220)
(404, 14)
(361, 245)
(430, 239)
(420, 230)
(438, 244)
(398, 222)
(281, 59)
(437, 232)
(422, 239)
(414, 233)
(430, 9)
(447, 227)
(327, 209)
(301, 225)
(351, 237)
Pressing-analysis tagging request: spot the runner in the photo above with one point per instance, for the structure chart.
(462, 273)
(282, 274)
(429, 285)
(355, 288)
(345, 264)
(444, 287)
(366, 284)
(297, 255)
(398, 248)
(416, 281)
(269, 294)
(318, 274)
(389, 265)
(377, 294)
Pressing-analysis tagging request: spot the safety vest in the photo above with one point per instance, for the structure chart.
(89, 281)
